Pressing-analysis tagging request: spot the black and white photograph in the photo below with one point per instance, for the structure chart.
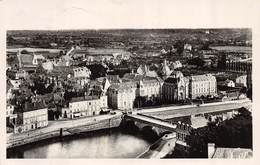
(131, 92)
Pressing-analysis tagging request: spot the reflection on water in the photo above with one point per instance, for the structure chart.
(101, 145)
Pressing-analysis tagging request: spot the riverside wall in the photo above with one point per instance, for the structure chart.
(88, 127)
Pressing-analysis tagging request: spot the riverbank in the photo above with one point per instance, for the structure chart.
(160, 148)
(63, 129)
(107, 143)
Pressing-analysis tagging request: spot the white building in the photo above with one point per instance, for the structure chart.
(149, 87)
(166, 71)
(187, 47)
(37, 58)
(241, 80)
(10, 116)
(31, 117)
(21, 74)
(16, 83)
(122, 95)
(230, 83)
(82, 72)
(48, 65)
(85, 106)
(177, 64)
(202, 85)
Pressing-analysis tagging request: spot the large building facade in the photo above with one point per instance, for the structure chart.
(175, 88)
(85, 106)
(202, 85)
(121, 96)
(31, 117)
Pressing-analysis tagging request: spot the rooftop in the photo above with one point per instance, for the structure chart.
(204, 77)
(85, 98)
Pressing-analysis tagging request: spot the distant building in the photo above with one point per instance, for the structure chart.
(241, 81)
(187, 47)
(182, 133)
(82, 72)
(165, 70)
(175, 88)
(85, 106)
(121, 96)
(227, 83)
(149, 87)
(37, 58)
(30, 117)
(21, 74)
(229, 153)
(48, 65)
(202, 85)
(10, 116)
(177, 64)
(16, 83)
(239, 66)
(144, 70)
(104, 54)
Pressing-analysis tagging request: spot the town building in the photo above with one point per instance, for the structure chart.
(21, 74)
(175, 88)
(81, 75)
(85, 106)
(37, 59)
(227, 83)
(177, 64)
(149, 87)
(30, 117)
(182, 133)
(121, 96)
(16, 83)
(145, 71)
(82, 72)
(165, 70)
(48, 65)
(241, 81)
(239, 66)
(10, 116)
(202, 85)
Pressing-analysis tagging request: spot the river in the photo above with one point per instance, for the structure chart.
(106, 144)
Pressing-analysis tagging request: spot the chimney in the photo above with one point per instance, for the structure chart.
(211, 149)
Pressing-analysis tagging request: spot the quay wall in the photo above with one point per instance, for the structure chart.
(88, 127)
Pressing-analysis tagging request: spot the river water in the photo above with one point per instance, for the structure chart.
(115, 144)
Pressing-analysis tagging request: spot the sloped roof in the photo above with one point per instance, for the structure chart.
(85, 98)
(123, 86)
(26, 59)
(204, 77)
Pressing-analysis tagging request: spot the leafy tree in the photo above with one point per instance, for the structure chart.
(97, 70)
(196, 61)
(233, 133)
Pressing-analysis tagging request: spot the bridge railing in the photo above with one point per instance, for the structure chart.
(152, 117)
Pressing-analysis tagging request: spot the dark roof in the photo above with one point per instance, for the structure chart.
(171, 80)
(85, 98)
(27, 107)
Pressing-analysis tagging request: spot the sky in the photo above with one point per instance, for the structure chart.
(99, 14)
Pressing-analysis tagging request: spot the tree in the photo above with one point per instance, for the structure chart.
(196, 61)
(233, 133)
